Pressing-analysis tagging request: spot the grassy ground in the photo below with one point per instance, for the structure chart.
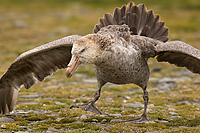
(27, 24)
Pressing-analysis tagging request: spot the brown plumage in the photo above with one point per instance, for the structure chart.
(119, 48)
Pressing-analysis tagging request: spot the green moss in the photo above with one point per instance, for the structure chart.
(191, 122)
(98, 119)
(36, 118)
(67, 120)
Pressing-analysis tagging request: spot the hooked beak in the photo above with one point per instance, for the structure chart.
(72, 66)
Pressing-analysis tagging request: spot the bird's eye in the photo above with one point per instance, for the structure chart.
(82, 50)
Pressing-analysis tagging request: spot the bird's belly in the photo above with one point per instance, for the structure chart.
(131, 73)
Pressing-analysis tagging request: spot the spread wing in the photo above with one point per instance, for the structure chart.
(32, 66)
(180, 54)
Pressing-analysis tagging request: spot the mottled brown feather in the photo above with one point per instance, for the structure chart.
(180, 54)
(31, 66)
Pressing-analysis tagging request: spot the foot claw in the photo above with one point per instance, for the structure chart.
(141, 119)
(87, 107)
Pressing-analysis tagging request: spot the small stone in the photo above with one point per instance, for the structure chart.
(167, 83)
(156, 69)
(3, 126)
(162, 121)
(79, 75)
(153, 90)
(91, 89)
(52, 130)
(183, 127)
(51, 87)
(115, 115)
(195, 103)
(183, 72)
(103, 115)
(116, 120)
(170, 109)
(42, 121)
(172, 113)
(196, 81)
(30, 103)
(175, 117)
(74, 83)
(29, 96)
(54, 115)
(21, 112)
(166, 86)
(167, 80)
(185, 102)
(48, 98)
(84, 117)
(95, 120)
(90, 81)
(124, 97)
(183, 79)
(109, 99)
(6, 120)
(132, 91)
(23, 127)
(74, 100)
(133, 105)
(153, 132)
(59, 103)
(80, 90)
(151, 105)
(189, 89)
(110, 85)
(153, 80)
(104, 120)
(58, 119)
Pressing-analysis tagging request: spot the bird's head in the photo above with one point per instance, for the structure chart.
(87, 50)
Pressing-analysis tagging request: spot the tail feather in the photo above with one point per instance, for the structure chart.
(143, 16)
(123, 11)
(145, 30)
(159, 30)
(150, 18)
(117, 15)
(154, 26)
(162, 38)
(129, 19)
(110, 19)
(141, 21)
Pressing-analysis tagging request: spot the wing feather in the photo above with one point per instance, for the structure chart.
(32, 66)
(180, 54)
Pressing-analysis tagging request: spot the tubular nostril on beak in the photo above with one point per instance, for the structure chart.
(72, 66)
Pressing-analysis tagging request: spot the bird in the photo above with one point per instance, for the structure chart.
(119, 48)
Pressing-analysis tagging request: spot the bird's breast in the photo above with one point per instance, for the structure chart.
(123, 69)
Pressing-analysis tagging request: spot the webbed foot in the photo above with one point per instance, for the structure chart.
(87, 107)
(141, 119)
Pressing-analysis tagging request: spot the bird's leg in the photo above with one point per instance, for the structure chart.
(143, 117)
(146, 99)
(90, 105)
